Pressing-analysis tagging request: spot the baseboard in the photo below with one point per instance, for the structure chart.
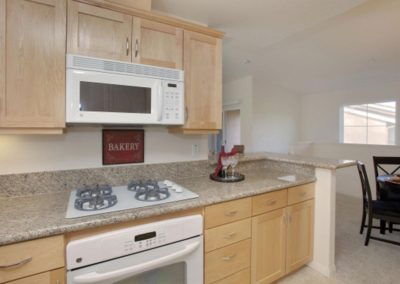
(323, 269)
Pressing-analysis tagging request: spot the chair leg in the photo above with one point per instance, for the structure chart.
(368, 230)
(383, 226)
(390, 227)
(363, 221)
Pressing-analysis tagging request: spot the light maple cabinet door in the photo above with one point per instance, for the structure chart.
(268, 247)
(300, 235)
(203, 88)
(50, 277)
(32, 64)
(98, 32)
(157, 44)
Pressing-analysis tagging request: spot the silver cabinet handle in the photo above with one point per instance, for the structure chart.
(17, 264)
(186, 114)
(231, 213)
(270, 202)
(127, 46)
(136, 48)
(229, 257)
(230, 235)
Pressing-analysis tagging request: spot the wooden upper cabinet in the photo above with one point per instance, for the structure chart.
(203, 83)
(135, 4)
(32, 65)
(157, 44)
(98, 32)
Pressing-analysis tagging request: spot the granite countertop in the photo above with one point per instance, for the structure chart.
(316, 162)
(31, 217)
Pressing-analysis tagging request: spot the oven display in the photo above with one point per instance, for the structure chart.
(172, 85)
(145, 236)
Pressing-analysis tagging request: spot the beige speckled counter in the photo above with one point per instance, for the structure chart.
(31, 217)
(315, 162)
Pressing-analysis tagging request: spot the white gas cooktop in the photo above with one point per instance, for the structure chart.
(100, 199)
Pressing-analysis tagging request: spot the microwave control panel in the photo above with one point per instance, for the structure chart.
(173, 102)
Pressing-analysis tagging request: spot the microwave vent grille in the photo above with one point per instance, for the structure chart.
(127, 68)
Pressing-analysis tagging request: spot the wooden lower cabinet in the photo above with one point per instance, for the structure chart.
(268, 254)
(241, 277)
(222, 262)
(50, 277)
(300, 235)
(31, 258)
(275, 240)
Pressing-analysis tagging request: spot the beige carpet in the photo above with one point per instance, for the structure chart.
(379, 263)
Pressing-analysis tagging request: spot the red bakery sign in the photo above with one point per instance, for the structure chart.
(123, 146)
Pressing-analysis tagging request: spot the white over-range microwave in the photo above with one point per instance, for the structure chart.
(114, 92)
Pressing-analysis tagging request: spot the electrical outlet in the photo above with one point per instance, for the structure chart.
(195, 149)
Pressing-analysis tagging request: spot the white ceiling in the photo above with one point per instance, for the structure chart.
(307, 46)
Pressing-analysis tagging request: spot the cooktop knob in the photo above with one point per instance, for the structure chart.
(178, 189)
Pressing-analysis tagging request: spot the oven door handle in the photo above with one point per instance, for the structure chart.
(94, 277)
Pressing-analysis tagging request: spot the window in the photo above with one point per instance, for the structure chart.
(369, 123)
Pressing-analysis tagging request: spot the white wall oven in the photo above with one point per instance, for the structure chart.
(167, 252)
(114, 92)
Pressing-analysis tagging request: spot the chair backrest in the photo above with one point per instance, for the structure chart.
(366, 190)
(380, 169)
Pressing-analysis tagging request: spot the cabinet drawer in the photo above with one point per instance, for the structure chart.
(241, 277)
(49, 277)
(227, 234)
(226, 261)
(269, 201)
(300, 193)
(227, 212)
(39, 255)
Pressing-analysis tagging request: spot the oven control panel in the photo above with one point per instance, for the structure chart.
(131, 240)
(145, 241)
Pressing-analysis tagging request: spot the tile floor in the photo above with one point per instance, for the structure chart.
(379, 263)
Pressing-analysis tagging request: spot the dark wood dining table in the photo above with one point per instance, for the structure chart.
(389, 190)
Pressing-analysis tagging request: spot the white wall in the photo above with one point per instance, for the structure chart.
(320, 112)
(81, 147)
(276, 116)
(238, 94)
(320, 123)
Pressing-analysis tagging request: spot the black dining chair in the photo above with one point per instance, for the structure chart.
(388, 211)
(385, 166)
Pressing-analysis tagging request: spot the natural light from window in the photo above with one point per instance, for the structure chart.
(369, 123)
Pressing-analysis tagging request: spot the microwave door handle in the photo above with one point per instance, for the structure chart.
(160, 102)
(94, 277)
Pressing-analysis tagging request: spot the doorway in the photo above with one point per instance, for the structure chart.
(231, 128)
